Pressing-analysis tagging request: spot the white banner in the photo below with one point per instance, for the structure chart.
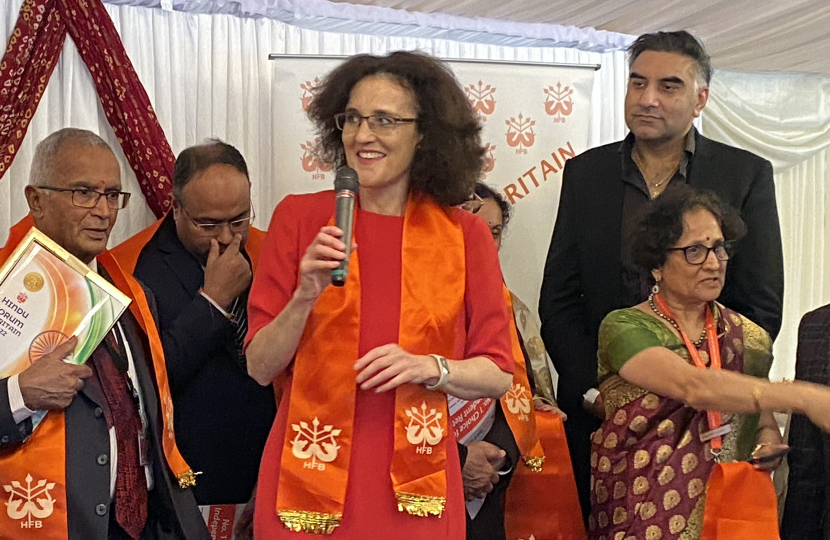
(535, 117)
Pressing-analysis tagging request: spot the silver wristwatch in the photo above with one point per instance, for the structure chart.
(444, 369)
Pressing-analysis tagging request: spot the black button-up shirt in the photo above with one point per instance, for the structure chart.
(637, 282)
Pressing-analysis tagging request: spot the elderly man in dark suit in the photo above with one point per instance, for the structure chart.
(198, 262)
(807, 510)
(108, 473)
(589, 272)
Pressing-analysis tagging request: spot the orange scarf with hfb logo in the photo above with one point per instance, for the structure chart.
(314, 472)
(541, 500)
(517, 403)
(34, 472)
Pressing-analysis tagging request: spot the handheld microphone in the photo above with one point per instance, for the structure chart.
(346, 187)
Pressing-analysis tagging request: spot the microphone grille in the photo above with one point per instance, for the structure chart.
(346, 179)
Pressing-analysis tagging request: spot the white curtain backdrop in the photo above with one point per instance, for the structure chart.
(208, 75)
(786, 119)
(347, 17)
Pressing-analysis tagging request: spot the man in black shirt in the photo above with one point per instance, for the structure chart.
(588, 272)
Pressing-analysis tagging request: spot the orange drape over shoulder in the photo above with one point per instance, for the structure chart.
(41, 460)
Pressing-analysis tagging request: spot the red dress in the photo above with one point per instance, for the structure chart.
(371, 509)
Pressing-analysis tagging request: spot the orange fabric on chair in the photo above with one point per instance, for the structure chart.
(544, 504)
(740, 503)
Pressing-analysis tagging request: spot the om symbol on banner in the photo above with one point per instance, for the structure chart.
(424, 428)
(31, 502)
(315, 443)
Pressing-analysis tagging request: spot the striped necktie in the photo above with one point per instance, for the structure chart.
(240, 322)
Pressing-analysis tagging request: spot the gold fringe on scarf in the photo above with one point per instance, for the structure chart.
(309, 522)
(420, 505)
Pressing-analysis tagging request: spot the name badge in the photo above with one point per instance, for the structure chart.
(717, 432)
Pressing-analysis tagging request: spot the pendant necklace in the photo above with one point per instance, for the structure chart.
(638, 160)
(672, 322)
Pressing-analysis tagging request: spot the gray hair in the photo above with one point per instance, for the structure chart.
(43, 163)
(680, 42)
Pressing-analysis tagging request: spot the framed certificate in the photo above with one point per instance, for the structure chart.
(47, 296)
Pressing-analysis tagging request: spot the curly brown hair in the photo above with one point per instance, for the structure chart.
(661, 224)
(449, 158)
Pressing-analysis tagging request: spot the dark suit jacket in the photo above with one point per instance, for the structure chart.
(173, 514)
(222, 416)
(807, 510)
(583, 273)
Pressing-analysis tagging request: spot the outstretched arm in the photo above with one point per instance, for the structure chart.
(663, 372)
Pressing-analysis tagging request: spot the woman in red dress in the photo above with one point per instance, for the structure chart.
(361, 447)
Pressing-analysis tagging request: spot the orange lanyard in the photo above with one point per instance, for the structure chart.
(714, 417)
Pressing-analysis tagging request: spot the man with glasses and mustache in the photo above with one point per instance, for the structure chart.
(198, 262)
(101, 452)
(589, 270)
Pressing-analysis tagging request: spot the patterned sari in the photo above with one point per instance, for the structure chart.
(649, 466)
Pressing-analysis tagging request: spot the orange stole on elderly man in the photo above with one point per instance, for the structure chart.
(48, 296)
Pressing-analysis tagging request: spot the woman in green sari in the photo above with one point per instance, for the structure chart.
(667, 420)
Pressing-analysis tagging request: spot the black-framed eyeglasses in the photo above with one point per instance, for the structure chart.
(698, 253)
(237, 226)
(88, 197)
(350, 121)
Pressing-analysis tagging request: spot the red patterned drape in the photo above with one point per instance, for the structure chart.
(34, 49)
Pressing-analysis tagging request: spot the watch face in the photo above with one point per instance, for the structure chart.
(444, 365)
(444, 370)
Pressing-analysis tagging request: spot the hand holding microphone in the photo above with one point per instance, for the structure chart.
(346, 188)
(326, 259)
